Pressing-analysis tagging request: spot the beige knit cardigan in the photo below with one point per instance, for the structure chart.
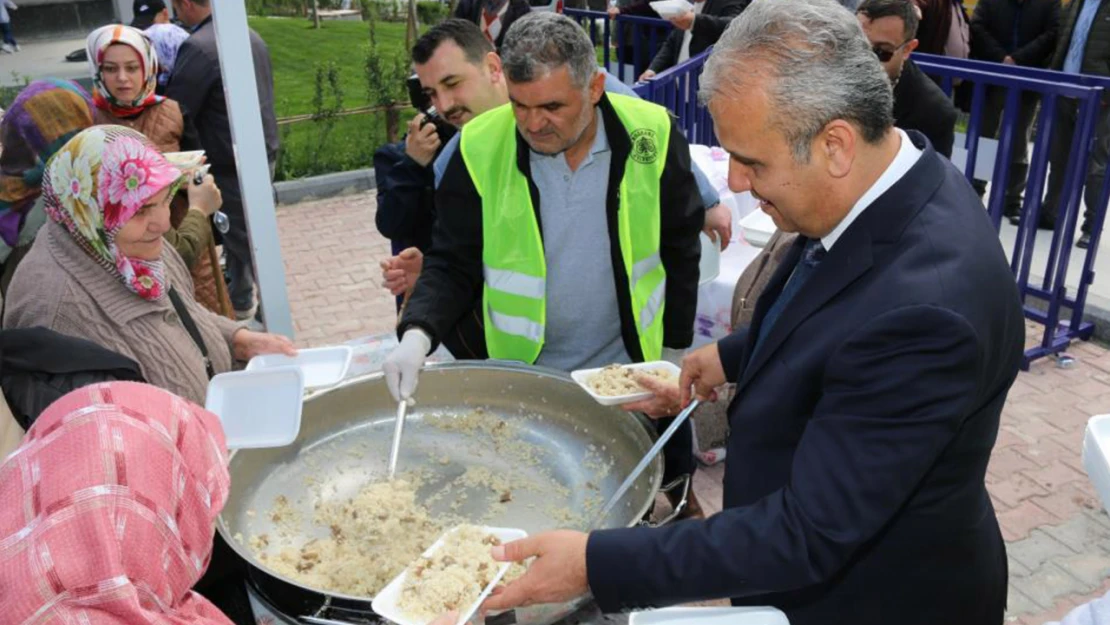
(60, 287)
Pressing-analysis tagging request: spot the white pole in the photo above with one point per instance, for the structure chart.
(241, 90)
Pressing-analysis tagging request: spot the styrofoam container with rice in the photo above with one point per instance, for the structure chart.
(455, 574)
(615, 385)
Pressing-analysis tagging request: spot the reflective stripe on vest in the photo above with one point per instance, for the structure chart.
(513, 263)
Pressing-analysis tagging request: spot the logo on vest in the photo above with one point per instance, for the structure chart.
(644, 150)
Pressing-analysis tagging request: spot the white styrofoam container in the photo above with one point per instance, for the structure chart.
(757, 228)
(671, 8)
(1096, 456)
(582, 377)
(260, 408)
(321, 366)
(185, 160)
(709, 616)
(386, 603)
(710, 265)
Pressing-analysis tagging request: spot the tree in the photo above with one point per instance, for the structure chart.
(316, 13)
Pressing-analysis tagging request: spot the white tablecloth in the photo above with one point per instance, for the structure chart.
(715, 297)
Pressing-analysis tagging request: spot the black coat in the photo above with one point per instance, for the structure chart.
(406, 198)
(708, 28)
(1096, 55)
(861, 431)
(1025, 30)
(38, 366)
(450, 286)
(919, 104)
(197, 86)
(471, 10)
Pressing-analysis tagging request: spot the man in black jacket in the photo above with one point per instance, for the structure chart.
(573, 152)
(1083, 47)
(1014, 32)
(919, 104)
(694, 31)
(197, 85)
(38, 366)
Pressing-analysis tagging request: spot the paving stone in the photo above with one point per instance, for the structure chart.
(1017, 604)
(1048, 583)
(1090, 568)
(1017, 522)
(1038, 548)
(1081, 533)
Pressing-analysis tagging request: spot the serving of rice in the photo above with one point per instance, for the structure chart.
(453, 577)
(617, 380)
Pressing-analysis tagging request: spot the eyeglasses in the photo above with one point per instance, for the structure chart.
(885, 55)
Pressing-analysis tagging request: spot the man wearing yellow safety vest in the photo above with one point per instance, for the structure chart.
(572, 215)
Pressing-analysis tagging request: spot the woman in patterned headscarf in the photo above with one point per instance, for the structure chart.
(111, 500)
(45, 115)
(125, 68)
(98, 270)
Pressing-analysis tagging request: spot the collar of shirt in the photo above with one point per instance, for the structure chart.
(600, 144)
(201, 25)
(903, 161)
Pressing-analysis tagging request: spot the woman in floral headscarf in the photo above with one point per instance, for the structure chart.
(125, 68)
(45, 115)
(98, 269)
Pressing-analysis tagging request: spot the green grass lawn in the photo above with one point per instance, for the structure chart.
(296, 48)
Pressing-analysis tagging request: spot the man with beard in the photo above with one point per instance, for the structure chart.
(919, 104)
(568, 219)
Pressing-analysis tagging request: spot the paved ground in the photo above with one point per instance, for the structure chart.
(1058, 536)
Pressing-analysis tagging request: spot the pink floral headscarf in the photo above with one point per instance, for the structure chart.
(97, 182)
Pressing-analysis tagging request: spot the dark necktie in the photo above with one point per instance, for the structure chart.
(811, 257)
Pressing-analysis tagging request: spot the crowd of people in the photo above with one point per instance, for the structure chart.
(541, 212)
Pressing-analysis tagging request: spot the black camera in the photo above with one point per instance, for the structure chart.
(421, 102)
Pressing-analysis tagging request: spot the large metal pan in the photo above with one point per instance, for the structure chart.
(344, 443)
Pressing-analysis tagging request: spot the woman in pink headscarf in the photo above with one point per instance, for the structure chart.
(109, 508)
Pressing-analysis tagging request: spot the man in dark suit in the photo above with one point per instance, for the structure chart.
(694, 31)
(919, 104)
(870, 382)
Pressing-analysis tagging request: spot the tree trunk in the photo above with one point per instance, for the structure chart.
(316, 13)
(392, 124)
(412, 31)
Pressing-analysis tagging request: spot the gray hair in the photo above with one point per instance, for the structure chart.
(542, 42)
(818, 67)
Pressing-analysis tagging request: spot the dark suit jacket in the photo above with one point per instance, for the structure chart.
(919, 104)
(1025, 30)
(471, 10)
(861, 432)
(708, 28)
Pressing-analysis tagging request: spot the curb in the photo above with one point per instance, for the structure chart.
(1100, 317)
(326, 186)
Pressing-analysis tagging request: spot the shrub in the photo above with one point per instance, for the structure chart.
(431, 12)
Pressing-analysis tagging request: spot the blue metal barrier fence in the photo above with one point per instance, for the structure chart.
(628, 43)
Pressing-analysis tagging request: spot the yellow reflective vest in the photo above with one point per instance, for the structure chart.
(514, 299)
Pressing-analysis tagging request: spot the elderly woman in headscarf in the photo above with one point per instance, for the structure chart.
(99, 270)
(45, 115)
(125, 69)
(113, 496)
